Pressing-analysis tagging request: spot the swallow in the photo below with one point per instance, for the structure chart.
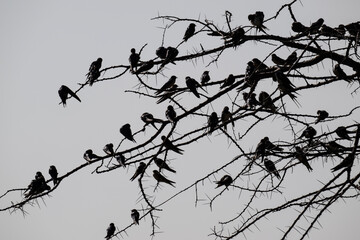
(161, 52)
(270, 167)
(329, 31)
(54, 174)
(110, 231)
(140, 170)
(334, 147)
(171, 54)
(192, 84)
(145, 67)
(95, 65)
(257, 20)
(321, 116)
(37, 186)
(277, 60)
(212, 122)
(126, 132)
(298, 27)
(135, 216)
(346, 163)
(339, 73)
(134, 59)
(64, 91)
(161, 178)
(205, 77)
(89, 155)
(109, 149)
(94, 71)
(250, 70)
(235, 36)
(226, 180)
(265, 145)
(284, 84)
(266, 101)
(301, 156)
(189, 31)
(291, 59)
(92, 76)
(120, 159)
(170, 146)
(251, 101)
(314, 27)
(226, 117)
(343, 133)
(168, 85)
(353, 28)
(228, 81)
(168, 94)
(148, 118)
(163, 165)
(258, 65)
(270, 146)
(308, 133)
(170, 113)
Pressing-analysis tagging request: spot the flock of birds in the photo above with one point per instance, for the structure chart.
(254, 67)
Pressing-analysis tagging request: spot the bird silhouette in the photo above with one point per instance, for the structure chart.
(339, 73)
(135, 216)
(170, 146)
(321, 116)
(170, 113)
(189, 31)
(343, 133)
(192, 84)
(145, 67)
(171, 54)
(161, 52)
(53, 174)
(120, 159)
(140, 170)
(258, 65)
(270, 167)
(167, 94)
(148, 118)
(126, 132)
(298, 27)
(228, 81)
(284, 84)
(163, 165)
(94, 71)
(64, 91)
(257, 20)
(89, 155)
(226, 117)
(168, 85)
(346, 163)
(226, 180)
(109, 149)
(301, 156)
(314, 27)
(309, 133)
(110, 231)
(277, 60)
(134, 59)
(212, 122)
(161, 178)
(205, 77)
(266, 101)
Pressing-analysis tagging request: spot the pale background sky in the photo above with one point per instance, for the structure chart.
(45, 44)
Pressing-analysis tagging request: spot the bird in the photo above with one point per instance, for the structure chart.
(226, 180)
(89, 155)
(171, 54)
(291, 59)
(212, 122)
(170, 113)
(257, 20)
(249, 72)
(226, 116)
(333, 147)
(251, 101)
(54, 174)
(140, 170)
(160, 178)
(145, 67)
(346, 163)
(109, 149)
(321, 116)
(277, 60)
(205, 77)
(120, 159)
(126, 131)
(96, 65)
(189, 31)
(265, 145)
(94, 71)
(148, 118)
(228, 81)
(266, 101)
(314, 27)
(353, 28)
(135, 215)
(308, 133)
(64, 91)
(170, 146)
(168, 94)
(343, 133)
(37, 186)
(339, 73)
(235, 36)
(110, 231)
(163, 165)
(161, 52)
(270, 167)
(298, 27)
(301, 156)
(258, 65)
(284, 84)
(192, 84)
(168, 85)
(134, 59)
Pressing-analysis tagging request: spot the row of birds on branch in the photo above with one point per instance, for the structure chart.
(38, 184)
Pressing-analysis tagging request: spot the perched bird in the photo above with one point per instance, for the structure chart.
(109, 149)
(314, 27)
(94, 71)
(171, 54)
(168, 85)
(134, 59)
(346, 163)
(265, 145)
(126, 131)
(120, 159)
(277, 60)
(135, 215)
(64, 91)
(110, 231)
(212, 122)
(251, 101)
(249, 72)
(140, 170)
(54, 174)
(226, 180)
(161, 178)
(168, 94)
(258, 65)
(339, 72)
(163, 165)
(270, 167)
(170, 113)
(92, 76)
(161, 52)
(170, 146)
(334, 147)
(37, 186)
(300, 155)
(205, 77)
(353, 28)
(257, 20)
(148, 118)
(321, 116)
(284, 84)
(266, 101)
(192, 84)
(228, 81)
(189, 31)
(235, 36)
(291, 59)
(343, 133)
(226, 117)
(89, 155)
(309, 133)
(298, 27)
(145, 67)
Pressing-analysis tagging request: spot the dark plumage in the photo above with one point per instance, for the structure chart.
(54, 174)
(346, 163)
(192, 84)
(37, 186)
(171, 54)
(339, 73)
(135, 216)
(258, 65)
(110, 231)
(126, 132)
(161, 52)
(148, 118)
(163, 165)
(170, 146)
(161, 178)
(167, 94)
(228, 81)
(134, 59)
(89, 155)
(314, 27)
(64, 91)
(291, 59)
(277, 60)
(298, 27)
(168, 85)
(270, 167)
(343, 133)
(189, 31)
(109, 149)
(301, 156)
(251, 100)
(284, 84)
(266, 101)
(94, 71)
(334, 147)
(226, 117)
(257, 21)
(212, 122)
(226, 180)
(145, 67)
(140, 170)
(308, 133)
(321, 116)
(170, 113)
(205, 77)
(235, 36)
(120, 159)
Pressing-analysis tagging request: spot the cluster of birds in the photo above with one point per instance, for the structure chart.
(39, 185)
(135, 215)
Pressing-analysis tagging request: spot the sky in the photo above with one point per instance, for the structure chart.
(46, 44)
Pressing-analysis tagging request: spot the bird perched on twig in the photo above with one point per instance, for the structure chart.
(135, 216)
(226, 181)
(257, 20)
(140, 170)
(251, 100)
(192, 84)
(333, 147)
(277, 60)
(322, 115)
(298, 27)
(263, 146)
(110, 231)
(212, 122)
(161, 52)
(94, 71)
(89, 155)
(284, 84)
(148, 118)
(64, 91)
(343, 133)
(120, 159)
(109, 149)
(168, 94)
(339, 73)
(308, 133)
(168, 85)
(170, 146)
(189, 31)
(134, 59)
(170, 113)
(171, 54)
(37, 186)
(226, 117)
(258, 65)
(301, 156)
(228, 81)
(163, 165)
(160, 178)
(266, 101)
(145, 67)
(346, 163)
(53, 174)
(235, 36)
(205, 77)
(126, 132)
(270, 167)
(314, 27)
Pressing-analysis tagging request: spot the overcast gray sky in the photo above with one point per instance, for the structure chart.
(45, 44)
